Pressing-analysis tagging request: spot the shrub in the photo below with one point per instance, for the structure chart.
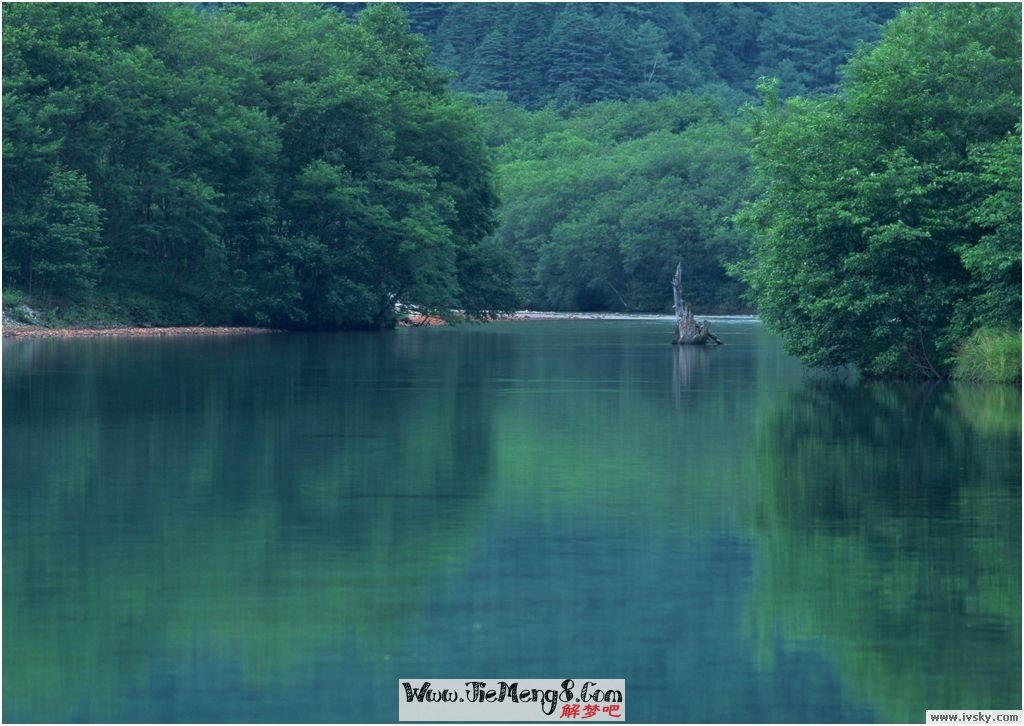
(12, 298)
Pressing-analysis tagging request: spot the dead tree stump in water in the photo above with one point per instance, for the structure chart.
(688, 330)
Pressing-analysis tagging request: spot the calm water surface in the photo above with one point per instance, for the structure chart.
(278, 528)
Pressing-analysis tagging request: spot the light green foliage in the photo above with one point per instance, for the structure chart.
(599, 206)
(271, 164)
(882, 231)
(990, 354)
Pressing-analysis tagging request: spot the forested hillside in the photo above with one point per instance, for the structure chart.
(618, 130)
(269, 164)
(304, 166)
(311, 166)
(584, 52)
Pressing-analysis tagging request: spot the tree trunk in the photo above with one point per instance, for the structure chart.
(688, 330)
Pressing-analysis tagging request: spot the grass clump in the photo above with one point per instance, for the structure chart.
(990, 354)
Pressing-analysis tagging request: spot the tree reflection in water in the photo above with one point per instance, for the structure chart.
(888, 518)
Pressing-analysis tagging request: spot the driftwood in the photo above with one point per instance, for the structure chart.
(688, 330)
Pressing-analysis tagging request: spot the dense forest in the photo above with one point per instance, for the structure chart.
(584, 52)
(619, 144)
(270, 164)
(850, 171)
(599, 204)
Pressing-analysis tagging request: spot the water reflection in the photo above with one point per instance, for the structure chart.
(278, 528)
(689, 364)
(256, 510)
(888, 521)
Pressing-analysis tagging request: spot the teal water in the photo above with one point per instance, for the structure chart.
(278, 528)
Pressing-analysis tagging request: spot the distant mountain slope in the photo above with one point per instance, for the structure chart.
(580, 53)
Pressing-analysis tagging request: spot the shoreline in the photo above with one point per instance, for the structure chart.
(35, 331)
(127, 331)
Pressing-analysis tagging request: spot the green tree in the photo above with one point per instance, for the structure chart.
(55, 244)
(494, 62)
(867, 229)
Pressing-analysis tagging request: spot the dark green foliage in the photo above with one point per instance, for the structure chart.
(276, 164)
(993, 259)
(585, 52)
(889, 223)
(54, 242)
(804, 47)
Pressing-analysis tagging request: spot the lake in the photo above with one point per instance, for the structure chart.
(279, 527)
